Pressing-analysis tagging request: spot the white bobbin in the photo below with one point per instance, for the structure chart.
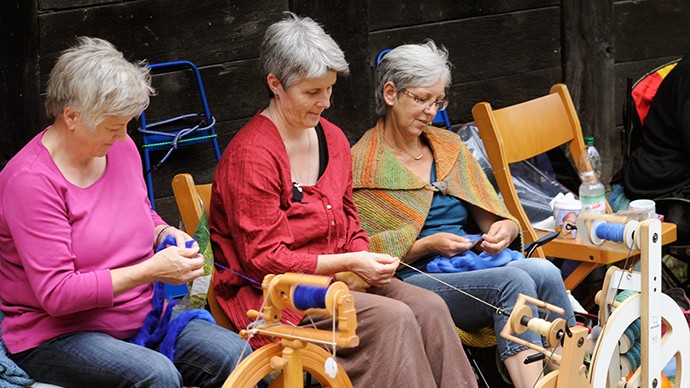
(593, 233)
(629, 234)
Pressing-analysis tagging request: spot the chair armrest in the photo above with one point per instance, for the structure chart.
(529, 248)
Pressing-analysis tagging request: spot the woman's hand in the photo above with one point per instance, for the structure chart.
(500, 234)
(447, 244)
(376, 269)
(175, 265)
(180, 236)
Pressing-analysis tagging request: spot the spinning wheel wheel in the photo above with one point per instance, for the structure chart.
(258, 365)
(297, 351)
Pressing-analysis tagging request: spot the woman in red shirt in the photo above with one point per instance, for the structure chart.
(282, 202)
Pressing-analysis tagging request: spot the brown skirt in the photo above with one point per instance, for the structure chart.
(407, 339)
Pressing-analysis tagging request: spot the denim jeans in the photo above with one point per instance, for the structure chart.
(205, 354)
(499, 287)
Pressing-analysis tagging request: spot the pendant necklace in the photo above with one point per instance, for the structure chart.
(399, 150)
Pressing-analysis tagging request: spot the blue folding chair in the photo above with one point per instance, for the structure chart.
(441, 117)
(171, 133)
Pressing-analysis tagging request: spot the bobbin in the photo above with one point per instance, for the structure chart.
(628, 234)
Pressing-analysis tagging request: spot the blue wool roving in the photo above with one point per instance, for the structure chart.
(470, 261)
(158, 328)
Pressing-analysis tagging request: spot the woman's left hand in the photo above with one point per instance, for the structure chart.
(180, 237)
(499, 236)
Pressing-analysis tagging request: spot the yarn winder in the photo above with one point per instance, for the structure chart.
(298, 349)
(645, 302)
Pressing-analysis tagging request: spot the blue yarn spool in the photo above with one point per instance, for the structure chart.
(611, 232)
(632, 359)
(307, 297)
(631, 336)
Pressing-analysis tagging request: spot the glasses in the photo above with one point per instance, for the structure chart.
(439, 104)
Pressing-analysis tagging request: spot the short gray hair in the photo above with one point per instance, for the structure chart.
(298, 48)
(94, 79)
(411, 65)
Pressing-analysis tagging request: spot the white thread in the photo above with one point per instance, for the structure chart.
(498, 309)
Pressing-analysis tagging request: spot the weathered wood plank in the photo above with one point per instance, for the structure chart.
(651, 29)
(519, 42)
(384, 14)
(346, 22)
(47, 5)
(204, 32)
(20, 111)
(588, 49)
(233, 90)
(500, 92)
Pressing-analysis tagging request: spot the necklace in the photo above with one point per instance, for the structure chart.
(399, 150)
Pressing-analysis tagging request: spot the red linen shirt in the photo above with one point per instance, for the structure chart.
(256, 228)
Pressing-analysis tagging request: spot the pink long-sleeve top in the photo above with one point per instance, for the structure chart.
(58, 243)
(257, 228)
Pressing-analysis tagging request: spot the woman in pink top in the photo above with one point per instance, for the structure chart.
(77, 238)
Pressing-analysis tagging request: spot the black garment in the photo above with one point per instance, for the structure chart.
(660, 166)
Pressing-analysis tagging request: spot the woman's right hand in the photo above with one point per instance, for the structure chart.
(447, 244)
(376, 269)
(175, 265)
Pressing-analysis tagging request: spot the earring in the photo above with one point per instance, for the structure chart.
(389, 102)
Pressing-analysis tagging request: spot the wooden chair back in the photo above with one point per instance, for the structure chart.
(192, 201)
(519, 132)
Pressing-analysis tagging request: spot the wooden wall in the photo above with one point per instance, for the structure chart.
(503, 51)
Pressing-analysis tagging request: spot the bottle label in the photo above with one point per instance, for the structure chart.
(593, 203)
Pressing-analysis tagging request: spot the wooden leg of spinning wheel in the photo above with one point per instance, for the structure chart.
(571, 368)
(291, 363)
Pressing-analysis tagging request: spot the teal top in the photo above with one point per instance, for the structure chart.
(447, 213)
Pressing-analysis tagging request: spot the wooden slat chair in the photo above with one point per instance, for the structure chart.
(192, 201)
(519, 132)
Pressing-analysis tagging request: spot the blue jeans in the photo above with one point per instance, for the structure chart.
(205, 354)
(537, 278)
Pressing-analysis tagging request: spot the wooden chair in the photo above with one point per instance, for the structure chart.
(192, 201)
(530, 128)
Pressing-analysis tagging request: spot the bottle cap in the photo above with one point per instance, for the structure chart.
(589, 140)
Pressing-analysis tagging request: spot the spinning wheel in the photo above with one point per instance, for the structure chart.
(646, 303)
(297, 350)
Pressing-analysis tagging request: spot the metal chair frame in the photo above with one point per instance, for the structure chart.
(180, 135)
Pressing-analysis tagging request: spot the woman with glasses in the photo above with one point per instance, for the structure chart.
(282, 202)
(419, 193)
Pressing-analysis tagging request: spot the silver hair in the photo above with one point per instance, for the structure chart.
(95, 80)
(412, 65)
(298, 48)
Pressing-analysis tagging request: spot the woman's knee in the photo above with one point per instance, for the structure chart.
(156, 371)
(543, 272)
(516, 282)
(427, 303)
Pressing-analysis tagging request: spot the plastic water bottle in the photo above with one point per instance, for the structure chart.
(592, 192)
(594, 157)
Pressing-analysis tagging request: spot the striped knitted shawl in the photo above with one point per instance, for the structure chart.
(393, 202)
